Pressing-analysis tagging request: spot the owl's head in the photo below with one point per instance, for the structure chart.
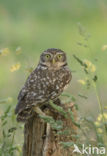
(53, 58)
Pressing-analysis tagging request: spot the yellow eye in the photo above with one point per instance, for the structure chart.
(59, 56)
(47, 56)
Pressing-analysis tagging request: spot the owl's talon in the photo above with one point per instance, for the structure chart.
(39, 111)
(58, 102)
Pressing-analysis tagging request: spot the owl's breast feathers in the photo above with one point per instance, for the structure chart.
(40, 87)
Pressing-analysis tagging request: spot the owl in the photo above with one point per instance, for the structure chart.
(45, 83)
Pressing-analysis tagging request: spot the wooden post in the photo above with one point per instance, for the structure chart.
(40, 139)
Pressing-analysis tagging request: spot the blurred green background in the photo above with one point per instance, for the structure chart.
(36, 25)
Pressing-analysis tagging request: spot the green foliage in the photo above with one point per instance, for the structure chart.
(72, 118)
(7, 139)
(59, 109)
(56, 125)
(91, 79)
(67, 144)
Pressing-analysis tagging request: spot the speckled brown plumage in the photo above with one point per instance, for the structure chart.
(45, 83)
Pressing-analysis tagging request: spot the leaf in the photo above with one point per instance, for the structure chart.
(6, 113)
(4, 134)
(67, 144)
(76, 124)
(73, 99)
(76, 106)
(88, 83)
(70, 96)
(4, 123)
(75, 136)
(57, 125)
(64, 132)
(81, 29)
(95, 78)
(82, 96)
(72, 118)
(79, 43)
(12, 129)
(7, 110)
(47, 118)
(79, 61)
(59, 109)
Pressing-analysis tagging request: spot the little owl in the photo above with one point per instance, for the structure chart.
(45, 83)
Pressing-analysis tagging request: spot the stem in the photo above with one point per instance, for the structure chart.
(98, 99)
(101, 110)
(12, 139)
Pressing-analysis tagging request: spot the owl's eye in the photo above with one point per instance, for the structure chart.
(59, 56)
(47, 56)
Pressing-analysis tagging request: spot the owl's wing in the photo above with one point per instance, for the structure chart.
(22, 94)
(21, 104)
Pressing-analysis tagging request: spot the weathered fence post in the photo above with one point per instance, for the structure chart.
(40, 139)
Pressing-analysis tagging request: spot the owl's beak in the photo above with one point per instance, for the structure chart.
(53, 61)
